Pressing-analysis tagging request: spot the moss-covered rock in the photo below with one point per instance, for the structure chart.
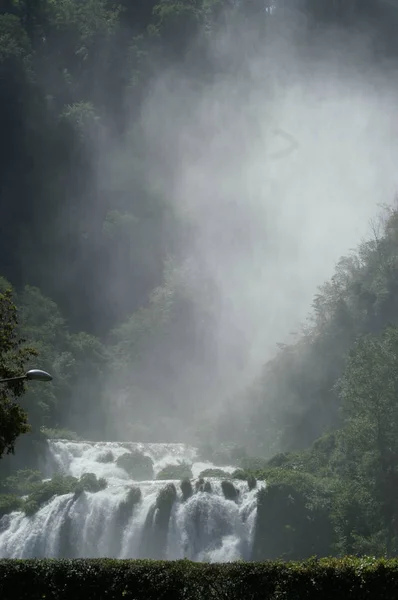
(134, 496)
(67, 548)
(181, 471)
(163, 507)
(214, 473)
(89, 483)
(124, 512)
(251, 482)
(199, 484)
(207, 487)
(9, 503)
(137, 464)
(186, 489)
(106, 457)
(126, 506)
(30, 507)
(229, 490)
(60, 485)
(43, 492)
(166, 497)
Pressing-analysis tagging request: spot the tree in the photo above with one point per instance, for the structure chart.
(369, 389)
(13, 358)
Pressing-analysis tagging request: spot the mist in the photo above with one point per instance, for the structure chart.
(262, 227)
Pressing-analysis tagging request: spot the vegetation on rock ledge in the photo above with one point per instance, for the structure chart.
(137, 465)
(180, 471)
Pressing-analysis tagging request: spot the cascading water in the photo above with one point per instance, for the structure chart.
(204, 527)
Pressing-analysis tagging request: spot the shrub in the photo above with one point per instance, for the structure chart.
(9, 503)
(43, 492)
(22, 482)
(89, 483)
(60, 434)
(181, 471)
(90, 579)
(214, 473)
(137, 465)
(245, 476)
(58, 486)
(30, 507)
(279, 460)
(239, 474)
(293, 517)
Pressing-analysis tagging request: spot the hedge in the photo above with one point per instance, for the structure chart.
(92, 579)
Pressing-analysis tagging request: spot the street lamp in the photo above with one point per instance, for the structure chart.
(31, 375)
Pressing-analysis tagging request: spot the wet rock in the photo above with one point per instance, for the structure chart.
(186, 489)
(229, 490)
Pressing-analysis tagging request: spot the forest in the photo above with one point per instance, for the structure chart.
(96, 285)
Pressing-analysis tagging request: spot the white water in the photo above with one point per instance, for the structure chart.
(206, 527)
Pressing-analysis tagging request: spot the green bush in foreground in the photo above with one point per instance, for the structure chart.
(329, 579)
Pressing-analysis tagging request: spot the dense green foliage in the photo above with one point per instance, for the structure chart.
(360, 300)
(347, 579)
(37, 492)
(14, 357)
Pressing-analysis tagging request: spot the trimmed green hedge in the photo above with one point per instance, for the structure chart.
(327, 579)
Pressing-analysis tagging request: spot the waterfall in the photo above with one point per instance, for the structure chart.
(204, 527)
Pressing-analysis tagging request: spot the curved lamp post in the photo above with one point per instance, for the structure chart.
(31, 375)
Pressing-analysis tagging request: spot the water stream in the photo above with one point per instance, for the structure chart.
(205, 527)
